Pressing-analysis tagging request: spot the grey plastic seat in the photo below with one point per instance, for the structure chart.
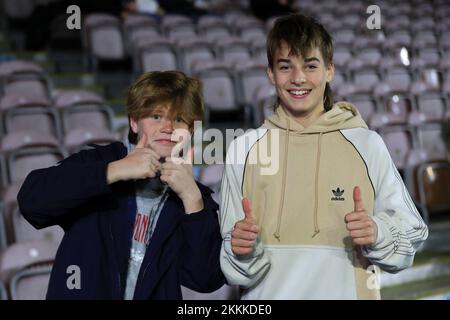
(212, 27)
(83, 109)
(266, 98)
(399, 79)
(365, 79)
(251, 75)
(399, 142)
(103, 39)
(138, 25)
(26, 267)
(25, 112)
(211, 176)
(25, 232)
(26, 151)
(430, 139)
(170, 21)
(232, 51)
(342, 54)
(81, 138)
(432, 105)
(192, 50)
(155, 55)
(31, 283)
(219, 90)
(366, 105)
(19, 77)
(20, 255)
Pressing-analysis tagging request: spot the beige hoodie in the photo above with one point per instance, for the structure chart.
(343, 115)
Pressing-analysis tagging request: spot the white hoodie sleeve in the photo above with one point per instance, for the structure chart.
(401, 230)
(247, 270)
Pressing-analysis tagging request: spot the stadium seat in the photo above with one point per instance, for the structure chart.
(265, 97)
(29, 112)
(155, 55)
(31, 283)
(25, 232)
(139, 26)
(212, 28)
(219, 90)
(399, 142)
(80, 138)
(211, 176)
(232, 51)
(366, 105)
(83, 109)
(26, 151)
(19, 76)
(32, 256)
(430, 139)
(250, 76)
(194, 50)
(433, 180)
(102, 38)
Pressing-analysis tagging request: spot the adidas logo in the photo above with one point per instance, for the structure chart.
(338, 195)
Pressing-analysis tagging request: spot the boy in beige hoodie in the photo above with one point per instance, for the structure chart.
(336, 210)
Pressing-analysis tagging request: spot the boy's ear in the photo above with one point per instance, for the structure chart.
(270, 75)
(134, 125)
(330, 72)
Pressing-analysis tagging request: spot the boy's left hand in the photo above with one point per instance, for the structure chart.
(362, 229)
(178, 175)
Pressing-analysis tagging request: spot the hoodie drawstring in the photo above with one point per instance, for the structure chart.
(283, 182)
(316, 195)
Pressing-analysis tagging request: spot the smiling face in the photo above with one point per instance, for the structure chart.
(300, 83)
(161, 129)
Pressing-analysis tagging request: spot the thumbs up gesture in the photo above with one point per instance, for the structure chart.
(362, 229)
(245, 232)
(140, 163)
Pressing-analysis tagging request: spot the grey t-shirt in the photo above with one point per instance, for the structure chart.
(150, 198)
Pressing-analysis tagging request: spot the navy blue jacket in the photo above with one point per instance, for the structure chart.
(98, 222)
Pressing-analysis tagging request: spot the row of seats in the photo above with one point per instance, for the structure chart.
(24, 112)
(142, 33)
(389, 8)
(25, 270)
(393, 108)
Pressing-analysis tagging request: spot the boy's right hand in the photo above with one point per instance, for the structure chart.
(140, 163)
(245, 232)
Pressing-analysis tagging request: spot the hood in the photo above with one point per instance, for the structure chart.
(343, 115)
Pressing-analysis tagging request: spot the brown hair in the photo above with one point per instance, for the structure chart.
(157, 88)
(302, 34)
